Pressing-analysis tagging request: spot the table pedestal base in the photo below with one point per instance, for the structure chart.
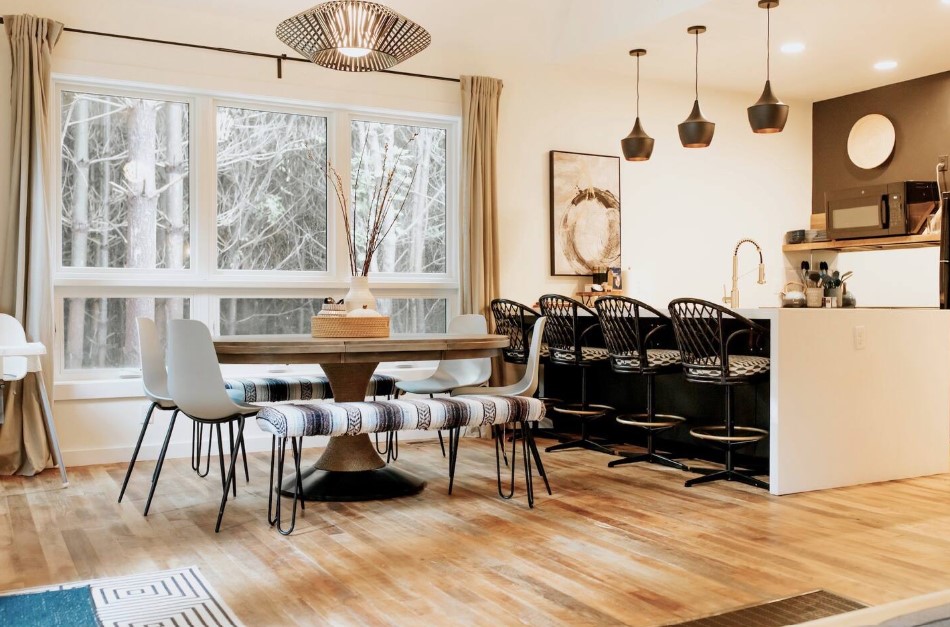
(360, 485)
(351, 470)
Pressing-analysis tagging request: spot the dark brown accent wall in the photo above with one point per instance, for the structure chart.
(920, 111)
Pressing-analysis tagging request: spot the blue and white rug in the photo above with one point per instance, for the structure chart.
(162, 599)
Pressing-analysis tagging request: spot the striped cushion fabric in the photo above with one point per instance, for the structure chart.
(298, 388)
(739, 366)
(306, 419)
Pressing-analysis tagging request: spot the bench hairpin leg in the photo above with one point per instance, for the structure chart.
(526, 453)
(293, 443)
(273, 487)
(201, 429)
(499, 451)
(537, 460)
(453, 453)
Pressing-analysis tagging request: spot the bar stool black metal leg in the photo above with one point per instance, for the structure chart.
(138, 445)
(160, 462)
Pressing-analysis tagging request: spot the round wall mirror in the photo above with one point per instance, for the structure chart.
(871, 141)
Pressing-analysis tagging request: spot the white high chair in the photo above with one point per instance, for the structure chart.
(17, 358)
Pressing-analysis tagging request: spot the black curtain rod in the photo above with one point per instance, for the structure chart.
(280, 58)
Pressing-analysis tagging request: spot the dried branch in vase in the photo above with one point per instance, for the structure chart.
(386, 201)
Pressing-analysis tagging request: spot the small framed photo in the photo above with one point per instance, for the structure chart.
(614, 279)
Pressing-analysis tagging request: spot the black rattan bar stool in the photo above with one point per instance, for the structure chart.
(710, 356)
(628, 337)
(516, 321)
(568, 346)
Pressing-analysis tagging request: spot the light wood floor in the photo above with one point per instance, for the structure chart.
(628, 545)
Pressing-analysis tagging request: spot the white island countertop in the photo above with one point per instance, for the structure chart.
(856, 395)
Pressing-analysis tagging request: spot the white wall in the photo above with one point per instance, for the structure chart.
(682, 212)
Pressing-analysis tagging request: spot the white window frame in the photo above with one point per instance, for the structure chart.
(203, 282)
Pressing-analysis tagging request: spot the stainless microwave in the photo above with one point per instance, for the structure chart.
(880, 210)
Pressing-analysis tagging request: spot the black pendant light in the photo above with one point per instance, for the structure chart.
(769, 114)
(637, 146)
(696, 131)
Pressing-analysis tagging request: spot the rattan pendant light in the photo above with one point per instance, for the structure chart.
(769, 114)
(353, 36)
(637, 146)
(696, 131)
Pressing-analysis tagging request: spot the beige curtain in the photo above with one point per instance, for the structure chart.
(25, 243)
(479, 276)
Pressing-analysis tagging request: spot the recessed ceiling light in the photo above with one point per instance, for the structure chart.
(885, 65)
(794, 47)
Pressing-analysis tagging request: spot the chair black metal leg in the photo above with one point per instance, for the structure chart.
(230, 479)
(217, 428)
(135, 452)
(196, 433)
(232, 449)
(160, 462)
(247, 474)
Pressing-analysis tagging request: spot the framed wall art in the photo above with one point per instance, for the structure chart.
(585, 213)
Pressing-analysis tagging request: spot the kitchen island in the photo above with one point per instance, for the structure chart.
(853, 396)
(856, 396)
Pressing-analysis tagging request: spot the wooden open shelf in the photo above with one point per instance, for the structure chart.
(869, 243)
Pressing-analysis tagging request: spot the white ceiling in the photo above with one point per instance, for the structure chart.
(844, 38)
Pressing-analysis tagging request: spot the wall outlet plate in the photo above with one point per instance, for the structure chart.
(942, 163)
(860, 337)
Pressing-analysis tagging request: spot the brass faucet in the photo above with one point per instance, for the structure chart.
(733, 299)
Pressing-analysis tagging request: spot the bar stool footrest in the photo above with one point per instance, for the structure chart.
(740, 435)
(659, 422)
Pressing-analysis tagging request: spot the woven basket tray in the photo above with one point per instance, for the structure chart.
(341, 326)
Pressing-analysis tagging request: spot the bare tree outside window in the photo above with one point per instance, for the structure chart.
(272, 190)
(106, 346)
(125, 204)
(127, 213)
(267, 316)
(416, 242)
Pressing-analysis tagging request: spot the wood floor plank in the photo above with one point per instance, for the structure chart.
(623, 546)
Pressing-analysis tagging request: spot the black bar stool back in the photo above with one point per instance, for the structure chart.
(569, 345)
(711, 356)
(632, 342)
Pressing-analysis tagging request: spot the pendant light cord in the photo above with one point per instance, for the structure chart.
(638, 86)
(697, 65)
(768, 43)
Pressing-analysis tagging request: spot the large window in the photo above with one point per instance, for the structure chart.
(194, 205)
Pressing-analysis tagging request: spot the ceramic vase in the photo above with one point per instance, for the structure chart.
(359, 294)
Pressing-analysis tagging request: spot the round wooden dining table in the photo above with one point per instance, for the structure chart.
(350, 469)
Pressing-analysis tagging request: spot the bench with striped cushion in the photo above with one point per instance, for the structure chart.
(295, 420)
(298, 388)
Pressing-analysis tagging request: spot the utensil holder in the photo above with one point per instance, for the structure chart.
(836, 293)
(814, 296)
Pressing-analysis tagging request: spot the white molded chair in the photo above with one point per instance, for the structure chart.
(453, 373)
(527, 386)
(22, 357)
(155, 384)
(197, 389)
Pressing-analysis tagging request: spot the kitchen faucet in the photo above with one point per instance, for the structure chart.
(733, 299)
